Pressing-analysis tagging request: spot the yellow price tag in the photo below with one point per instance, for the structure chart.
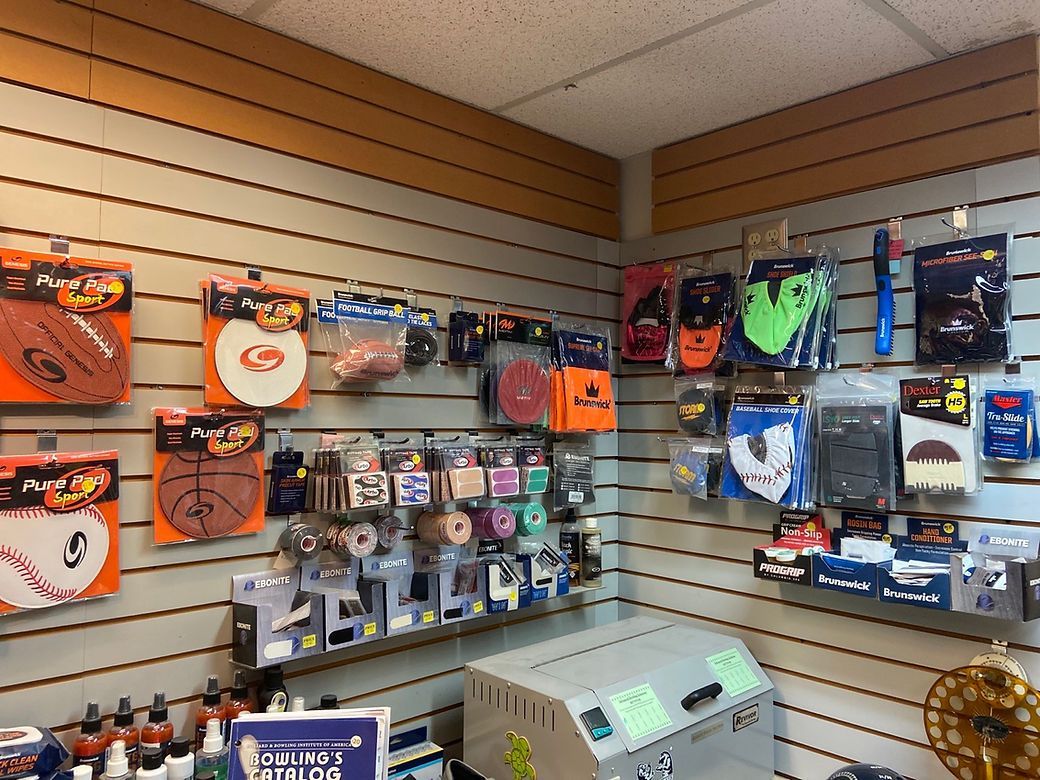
(370, 629)
(301, 472)
(512, 597)
(478, 607)
(310, 641)
(428, 617)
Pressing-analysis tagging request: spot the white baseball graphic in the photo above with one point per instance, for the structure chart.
(48, 558)
(259, 367)
(772, 478)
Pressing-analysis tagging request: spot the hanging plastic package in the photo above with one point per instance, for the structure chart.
(366, 340)
(688, 467)
(939, 443)
(703, 306)
(582, 396)
(817, 339)
(1009, 419)
(698, 404)
(646, 310)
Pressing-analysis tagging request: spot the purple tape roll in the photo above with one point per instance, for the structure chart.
(495, 522)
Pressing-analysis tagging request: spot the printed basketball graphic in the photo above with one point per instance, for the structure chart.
(259, 368)
(204, 496)
(47, 558)
(75, 356)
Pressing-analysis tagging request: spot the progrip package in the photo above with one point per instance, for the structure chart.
(59, 528)
(64, 329)
(208, 474)
(255, 343)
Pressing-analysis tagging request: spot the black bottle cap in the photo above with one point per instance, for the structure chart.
(158, 712)
(329, 701)
(212, 694)
(92, 720)
(124, 713)
(180, 747)
(151, 758)
(239, 690)
(273, 677)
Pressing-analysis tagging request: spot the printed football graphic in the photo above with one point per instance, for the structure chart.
(259, 367)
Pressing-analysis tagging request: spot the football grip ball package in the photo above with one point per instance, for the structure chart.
(646, 310)
(64, 329)
(366, 340)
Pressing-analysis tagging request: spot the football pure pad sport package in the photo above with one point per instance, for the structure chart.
(962, 290)
(208, 474)
(646, 312)
(59, 528)
(703, 306)
(937, 424)
(64, 329)
(255, 343)
(582, 396)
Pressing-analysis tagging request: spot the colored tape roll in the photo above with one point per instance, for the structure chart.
(444, 527)
(352, 540)
(302, 541)
(496, 522)
(531, 519)
(389, 531)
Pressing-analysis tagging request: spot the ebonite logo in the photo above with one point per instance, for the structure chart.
(268, 582)
(1004, 541)
(319, 574)
(591, 402)
(261, 358)
(379, 565)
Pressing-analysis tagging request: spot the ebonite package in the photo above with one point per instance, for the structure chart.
(64, 329)
(255, 343)
(366, 340)
(59, 528)
(703, 305)
(582, 395)
(996, 577)
(856, 418)
(208, 474)
(646, 310)
(1009, 420)
(937, 422)
(274, 619)
(768, 452)
(962, 290)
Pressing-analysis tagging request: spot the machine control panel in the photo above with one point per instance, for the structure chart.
(597, 724)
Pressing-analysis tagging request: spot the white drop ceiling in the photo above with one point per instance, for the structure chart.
(623, 76)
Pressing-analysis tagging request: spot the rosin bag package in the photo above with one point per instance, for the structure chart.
(366, 341)
(962, 290)
(208, 474)
(698, 404)
(59, 528)
(255, 342)
(64, 329)
(582, 394)
(574, 474)
(688, 467)
(856, 421)
(518, 370)
(1009, 420)
(646, 309)
(768, 446)
(703, 310)
(938, 434)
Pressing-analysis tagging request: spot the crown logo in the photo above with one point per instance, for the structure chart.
(591, 390)
(699, 338)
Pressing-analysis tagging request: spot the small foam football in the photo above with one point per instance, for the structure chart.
(77, 357)
(368, 360)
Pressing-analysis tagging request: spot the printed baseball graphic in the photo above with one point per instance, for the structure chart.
(48, 558)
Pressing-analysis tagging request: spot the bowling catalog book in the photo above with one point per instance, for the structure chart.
(315, 745)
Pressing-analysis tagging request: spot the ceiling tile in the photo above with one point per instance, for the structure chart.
(234, 7)
(957, 25)
(488, 52)
(784, 53)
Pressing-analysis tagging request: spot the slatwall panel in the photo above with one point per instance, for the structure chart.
(195, 66)
(181, 204)
(850, 674)
(971, 110)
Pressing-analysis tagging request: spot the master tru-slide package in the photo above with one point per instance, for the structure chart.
(1009, 419)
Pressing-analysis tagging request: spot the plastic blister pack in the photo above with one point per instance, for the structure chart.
(856, 420)
(939, 438)
(646, 310)
(689, 466)
(582, 396)
(517, 370)
(456, 473)
(703, 309)
(1009, 419)
(366, 340)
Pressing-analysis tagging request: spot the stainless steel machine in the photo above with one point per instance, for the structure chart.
(641, 699)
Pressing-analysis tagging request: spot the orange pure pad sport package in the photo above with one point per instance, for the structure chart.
(64, 329)
(255, 343)
(208, 474)
(59, 528)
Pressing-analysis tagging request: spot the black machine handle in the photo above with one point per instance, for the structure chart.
(694, 698)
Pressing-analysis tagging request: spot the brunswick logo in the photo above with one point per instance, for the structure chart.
(591, 390)
(591, 401)
(699, 338)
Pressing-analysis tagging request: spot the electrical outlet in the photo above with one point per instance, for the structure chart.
(762, 237)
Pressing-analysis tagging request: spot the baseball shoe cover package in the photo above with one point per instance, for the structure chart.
(366, 338)
(208, 474)
(962, 295)
(582, 397)
(937, 420)
(769, 446)
(255, 343)
(59, 528)
(64, 329)
(704, 311)
(646, 310)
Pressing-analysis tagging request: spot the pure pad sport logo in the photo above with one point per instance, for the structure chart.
(278, 315)
(261, 358)
(73, 490)
(89, 292)
(231, 438)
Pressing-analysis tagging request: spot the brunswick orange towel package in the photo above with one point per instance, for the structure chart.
(582, 395)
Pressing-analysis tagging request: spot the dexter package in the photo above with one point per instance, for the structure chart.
(64, 329)
(703, 309)
(273, 619)
(962, 293)
(646, 310)
(939, 439)
(59, 528)
(255, 342)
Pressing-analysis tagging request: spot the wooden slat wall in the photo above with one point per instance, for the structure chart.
(850, 674)
(960, 113)
(180, 204)
(194, 66)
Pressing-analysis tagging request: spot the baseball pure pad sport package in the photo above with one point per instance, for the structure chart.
(255, 343)
(940, 449)
(646, 310)
(208, 474)
(59, 528)
(64, 329)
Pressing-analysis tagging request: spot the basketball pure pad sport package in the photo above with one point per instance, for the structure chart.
(940, 449)
(366, 340)
(59, 528)
(256, 340)
(962, 290)
(64, 329)
(704, 306)
(582, 394)
(768, 450)
(646, 312)
(208, 474)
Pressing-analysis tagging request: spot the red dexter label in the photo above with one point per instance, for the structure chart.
(232, 438)
(91, 292)
(77, 488)
(261, 358)
(280, 314)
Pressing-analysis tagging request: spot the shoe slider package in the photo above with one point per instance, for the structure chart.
(940, 448)
(768, 446)
(646, 310)
(962, 290)
(856, 420)
(582, 394)
(704, 308)
(820, 336)
(1009, 420)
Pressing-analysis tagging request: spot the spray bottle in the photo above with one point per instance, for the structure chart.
(158, 731)
(117, 767)
(89, 747)
(214, 754)
(211, 708)
(123, 728)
